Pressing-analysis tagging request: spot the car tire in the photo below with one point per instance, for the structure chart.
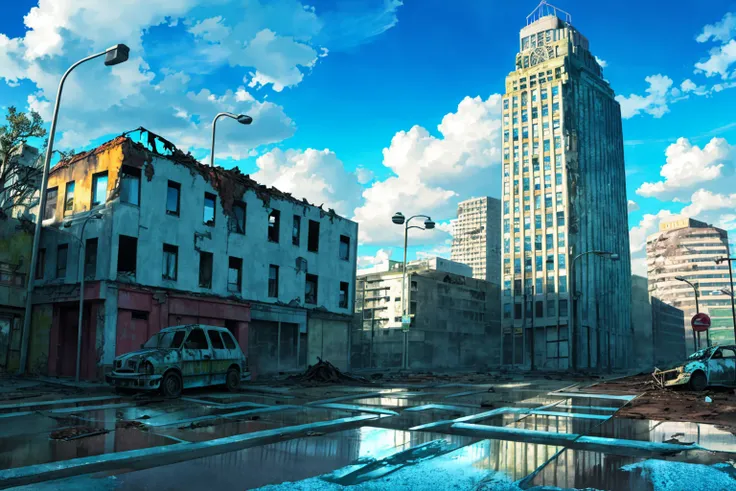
(232, 379)
(698, 381)
(171, 385)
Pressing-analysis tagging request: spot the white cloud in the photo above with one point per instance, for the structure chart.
(719, 62)
(364, 175)
(381, 256)
(639, 266)
(687, 166)
(654, 103)
(632, 206)
(431, 173)
(317, 175)
(648, 225)
(688, 86)
(722, 30)
(603, 63)
(703, 200)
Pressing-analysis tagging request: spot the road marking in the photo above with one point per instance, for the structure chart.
(21, 405)
(357, 407)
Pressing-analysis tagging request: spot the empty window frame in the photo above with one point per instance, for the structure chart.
(62, 253)
(127, 254)
(274, 219)
(273, 281)
(41, 264)
(215, 339)
(210, 201)
(237, 220)
(310, 290)
(69, 198)
(313, 236)
(343, 300)
(171, 260)
(234, 274)
(296, 231)
(52, 196)
(130, 185)
(344, 247)
(90, 258)
(99, 188)
(173, 193)
(205, 269)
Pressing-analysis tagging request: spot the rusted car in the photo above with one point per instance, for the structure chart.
(181, 357)
(711, 366)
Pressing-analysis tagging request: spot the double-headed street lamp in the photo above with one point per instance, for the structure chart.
(697, 311)
(240, 118)
(114, 55)
(573, 319)
(399, 219)
(730, 277)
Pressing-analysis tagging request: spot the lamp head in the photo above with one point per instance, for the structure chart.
(429, 224)
(398, 218)
(114, 55)
(679, 278)
(614, 257)
(244, 119)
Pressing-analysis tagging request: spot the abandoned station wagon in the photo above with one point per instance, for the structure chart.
(181, 357)
(707, 367)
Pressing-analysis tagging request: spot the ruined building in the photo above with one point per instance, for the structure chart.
(170, 241)
(688, 248)
(455, 318)
(477, 237)
(564, 193)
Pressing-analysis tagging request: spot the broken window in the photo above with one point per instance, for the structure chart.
(69, 198)
(50, 210)
(40, 264)
(343, 304)
(313, 236)
(196, 340)
(563, 308)
(127, 254)
(228, 339)
(310, 291)
(414, 286)
(413, 307)
(273, 225)
(539, 309)
(62, 253)
(344, 247)
(99, 188)
(205, 269)
(234, 274)
(296, 230)
(517, 311)
(172, 198)
(130, 185)
(90, 258)
(209, 208)
(171, 256)
(215, 339)
(273, 281)
(237, 220)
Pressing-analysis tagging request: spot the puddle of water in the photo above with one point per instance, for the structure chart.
(32, 424)
(391, 402)
(26, 450)
(555, 424)
(705, 435)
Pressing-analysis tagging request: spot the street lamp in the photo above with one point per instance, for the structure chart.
(399, 219)
(80, 268)
(573, 283)
(114, 55)
(240, 118)
(697, 311)
(730, 276)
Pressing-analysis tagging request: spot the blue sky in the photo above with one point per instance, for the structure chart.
(347, 96)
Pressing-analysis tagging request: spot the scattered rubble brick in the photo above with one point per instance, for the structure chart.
(324, 371)
(76, 432)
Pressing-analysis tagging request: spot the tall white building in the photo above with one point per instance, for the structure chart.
(564, 193)
(477, 237)
(687, 248)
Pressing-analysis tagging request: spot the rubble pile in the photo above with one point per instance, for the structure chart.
(324, 371)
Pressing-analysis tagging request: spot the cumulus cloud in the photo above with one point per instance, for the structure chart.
(704, 200)
(632, 206)
(603, 63)
(654, 102)
(380, 256)
(648, 225)
(720, 58)
(687, 166)
(722, 30)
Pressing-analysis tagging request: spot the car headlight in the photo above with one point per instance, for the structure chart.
(146, 368)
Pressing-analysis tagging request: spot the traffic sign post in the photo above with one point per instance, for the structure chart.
(700, 323)
(405, 322)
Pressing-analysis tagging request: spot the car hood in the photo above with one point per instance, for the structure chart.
(149, 353)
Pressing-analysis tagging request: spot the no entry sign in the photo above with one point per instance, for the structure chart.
(700, 322)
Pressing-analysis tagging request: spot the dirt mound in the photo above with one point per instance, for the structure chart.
(326, 372)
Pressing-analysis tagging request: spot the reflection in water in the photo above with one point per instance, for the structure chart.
(705, 435)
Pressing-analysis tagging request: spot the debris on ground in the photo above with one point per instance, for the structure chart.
(131, 424)
(76, 432)
(324, 371)
(708, 399)
(315, 433)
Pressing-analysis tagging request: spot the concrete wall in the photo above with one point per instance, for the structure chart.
(669, 337)
(38, 342)
(641, 323)
(328, 338)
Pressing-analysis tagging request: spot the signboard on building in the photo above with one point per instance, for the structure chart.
(405, 322)
(700, 322)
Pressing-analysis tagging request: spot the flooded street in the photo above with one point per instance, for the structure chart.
(508, 435)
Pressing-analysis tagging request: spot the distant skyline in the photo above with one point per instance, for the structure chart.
(373, 107)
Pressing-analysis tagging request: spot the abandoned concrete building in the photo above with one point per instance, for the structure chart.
(476, 237)
(455, 318)
(170, 241)
(564, 194)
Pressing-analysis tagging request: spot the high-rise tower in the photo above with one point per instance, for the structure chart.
(477, 237)
(564, 194)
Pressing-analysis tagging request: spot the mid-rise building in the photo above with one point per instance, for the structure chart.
(477, 237)
(687, 248)
(454, 317)
(170, 241)
(564, 194)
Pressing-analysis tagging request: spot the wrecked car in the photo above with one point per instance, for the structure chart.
(181, 357)
(707, 367)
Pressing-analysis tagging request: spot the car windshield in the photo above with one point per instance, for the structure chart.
(699, 355)
(168, 339)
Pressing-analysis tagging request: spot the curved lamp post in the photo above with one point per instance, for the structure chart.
(573, 319)
(697, 311)
(240, 118)
(114, 55)
(399, 219)
(730, 277)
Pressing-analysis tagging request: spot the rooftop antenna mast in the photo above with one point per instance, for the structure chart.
(545, 9)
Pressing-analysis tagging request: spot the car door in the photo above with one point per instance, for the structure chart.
(196, 359)
(722, 367)
(232, 346)
(221, 358)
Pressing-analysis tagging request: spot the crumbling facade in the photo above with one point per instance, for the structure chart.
(170, 241)
(476, 237)
(564, 193)
(687, 248)
(455, 318)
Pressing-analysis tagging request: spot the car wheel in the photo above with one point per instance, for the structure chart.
(232, 380)
(698, 381)
(171, 385)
